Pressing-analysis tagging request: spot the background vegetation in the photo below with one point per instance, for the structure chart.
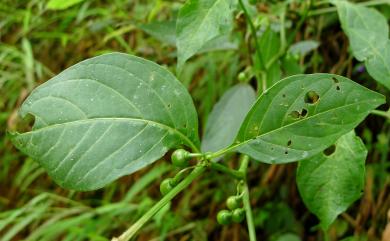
(38, 40)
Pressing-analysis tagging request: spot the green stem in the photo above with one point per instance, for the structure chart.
(261, 79)
(300, 23)
(283, 45)
(382, 113)
(128, 234)
(246, 200)
(253, 30)
(234, 173)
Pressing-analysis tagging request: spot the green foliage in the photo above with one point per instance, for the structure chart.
(99, 127)
(368, 33)
(201, 21)
(303, 47)
(282, 127)
(62, 4)
(330, 182)
(165, 31)
(226, 117)
(300, 116)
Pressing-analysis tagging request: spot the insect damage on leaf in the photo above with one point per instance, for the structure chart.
(312, 111)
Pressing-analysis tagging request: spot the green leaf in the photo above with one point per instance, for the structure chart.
(200, 21)
(164, 31)
(366, 28)
(378, 66)
(329, 184)
(368, 33)
(227, 116)
(301, 115)
(269, 45)
(223, 42)
(303, 47)
(106, 117)
(62, 4)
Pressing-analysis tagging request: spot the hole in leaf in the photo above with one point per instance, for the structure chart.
(284, 95)
(286, 152)
(337, 87)
(289, 143)
(335, 80)
(311, 97)
(169, 105)
(303, 112)
(295, 114)
(330, 150)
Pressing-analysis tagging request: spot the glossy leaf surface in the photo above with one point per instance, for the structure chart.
(287, 125)
(106, 117)
(227, 116)
(200, 21)
(330, 184)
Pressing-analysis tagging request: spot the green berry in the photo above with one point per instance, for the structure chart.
(166, 186)
(180, 158)
(241, 76)
(238, 215)
(233, 202)
(224, 217)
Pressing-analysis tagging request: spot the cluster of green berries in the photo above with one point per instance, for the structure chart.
(179, 158)
(235, 213)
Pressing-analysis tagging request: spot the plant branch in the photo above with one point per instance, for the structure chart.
(382, 113)
(253, 30)
(246, 200)
(128, 234)
(234, 173)
(260, 75)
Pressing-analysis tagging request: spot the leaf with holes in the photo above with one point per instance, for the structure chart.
(227, 116)
(331, 181)
(301, 115)
(106, 117)
(200, 21)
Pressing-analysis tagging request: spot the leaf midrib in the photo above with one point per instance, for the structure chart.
(161, 125)
(293, 123)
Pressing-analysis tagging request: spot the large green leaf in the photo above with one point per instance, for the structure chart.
(368, 33)
(227, 116)
(284, 125)
(328, 184)
(366, 28)
(106, 117)
(200, 21)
